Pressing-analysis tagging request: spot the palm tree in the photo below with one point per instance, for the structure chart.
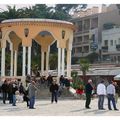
(10, 13)
(84, 67)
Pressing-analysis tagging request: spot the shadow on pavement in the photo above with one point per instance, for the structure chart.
(43, 104)
(77, 110)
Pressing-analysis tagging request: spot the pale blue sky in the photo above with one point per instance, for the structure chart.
(3, 6)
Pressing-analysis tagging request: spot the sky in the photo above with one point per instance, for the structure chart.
(3, 6)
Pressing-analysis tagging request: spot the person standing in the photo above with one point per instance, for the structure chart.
(111, 95)
(101, 92)
(117, 91)
(50, 80)
(4, 91)
(14, 89)
(10, 94)
(21, 89)
(88, 92)
(62, 80)
(31, 93)
(54, 91)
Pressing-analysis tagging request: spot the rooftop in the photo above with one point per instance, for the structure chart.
(36, 20)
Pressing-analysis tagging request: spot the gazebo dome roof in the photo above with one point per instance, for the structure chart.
(36, 20)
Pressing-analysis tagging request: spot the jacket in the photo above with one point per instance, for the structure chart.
(88, 88)
(101, 89)
(54, 88)
(31, 90)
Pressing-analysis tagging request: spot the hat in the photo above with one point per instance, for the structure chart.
(89, 81)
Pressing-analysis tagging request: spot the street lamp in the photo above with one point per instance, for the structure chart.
(63, 34)
(26, 32)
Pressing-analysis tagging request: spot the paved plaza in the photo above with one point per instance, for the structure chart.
(67, 107)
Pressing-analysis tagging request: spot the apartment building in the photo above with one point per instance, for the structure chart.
(89, 25)
(111, 44)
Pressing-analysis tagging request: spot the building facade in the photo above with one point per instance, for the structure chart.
(89, 25)
(111, 45)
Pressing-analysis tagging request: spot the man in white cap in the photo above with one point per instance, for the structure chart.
(88, 92)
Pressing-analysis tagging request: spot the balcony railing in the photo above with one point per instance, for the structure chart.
(77, 43)
(85, 42)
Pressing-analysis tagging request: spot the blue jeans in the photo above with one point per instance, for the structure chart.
(32, 102)
(54, 96)
(100, 101)
(111, 98)
(14, 100)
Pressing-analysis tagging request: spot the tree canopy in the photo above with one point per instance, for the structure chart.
(58, 11)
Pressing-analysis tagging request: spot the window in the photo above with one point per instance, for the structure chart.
(119, 41)
(106, 42)
(79, 25)
(79, 49)
(111, 42)
(86, 49)
(79, 39)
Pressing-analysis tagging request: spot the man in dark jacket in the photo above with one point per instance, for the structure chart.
(10, 94)
(88, 91)
(21, 89)
(54, 91)
(62, 80)
(4, 90)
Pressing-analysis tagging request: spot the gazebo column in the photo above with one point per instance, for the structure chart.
(11, 64)
(47, 62)
(3, 62)
(15, 63)
(24, 62)
(42, 63)
(63, 61)
(68, 63)
(59, 62)
(29, 61)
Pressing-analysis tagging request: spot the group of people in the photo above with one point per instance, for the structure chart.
(9, 87)
(12, 88)
(111, 91)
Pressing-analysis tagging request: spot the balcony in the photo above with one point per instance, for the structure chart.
(104, 48)
(77, 43)
(85, 42)
(118, 47)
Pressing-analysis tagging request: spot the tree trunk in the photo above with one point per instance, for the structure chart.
(84, 78)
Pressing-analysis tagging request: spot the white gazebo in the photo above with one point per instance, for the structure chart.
(45, 32)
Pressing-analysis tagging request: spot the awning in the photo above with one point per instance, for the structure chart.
(117, 77)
